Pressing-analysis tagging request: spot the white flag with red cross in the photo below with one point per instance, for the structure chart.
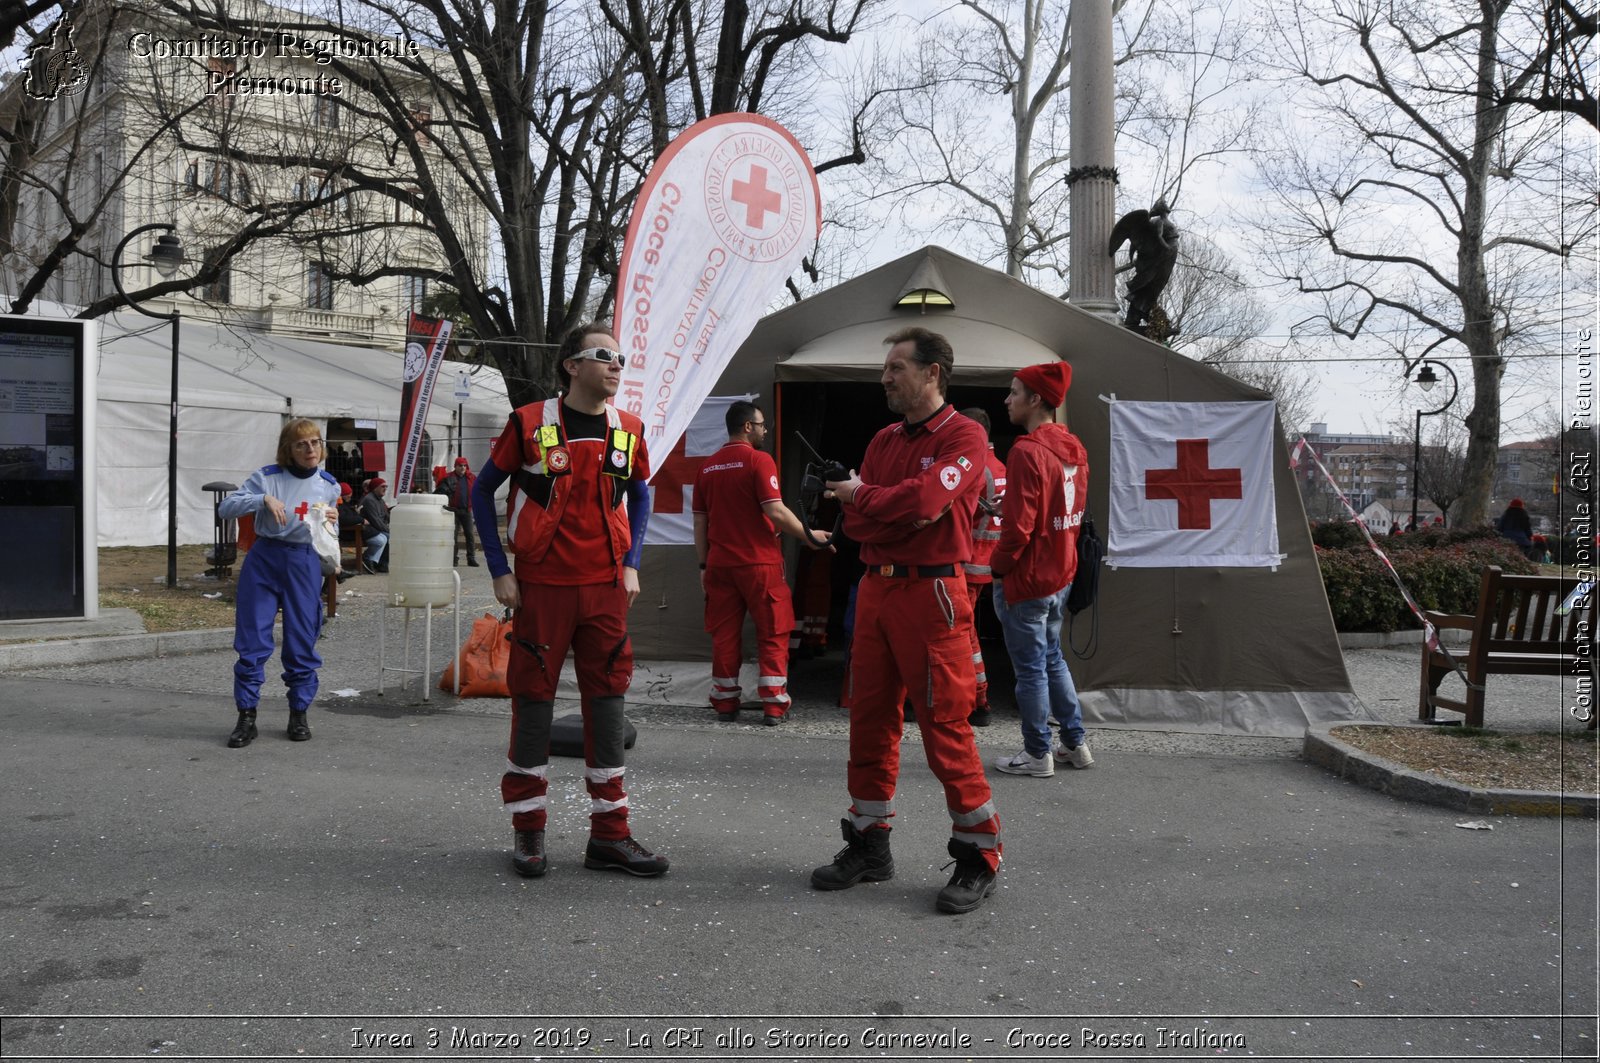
(1191, 485)
(672, 486)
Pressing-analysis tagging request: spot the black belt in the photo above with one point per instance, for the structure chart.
(918, 571)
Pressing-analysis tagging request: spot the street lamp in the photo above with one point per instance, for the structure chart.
(1425, 379)
(167, 256)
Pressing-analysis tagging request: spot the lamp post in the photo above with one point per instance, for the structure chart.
(167, 256)
(1425, 379)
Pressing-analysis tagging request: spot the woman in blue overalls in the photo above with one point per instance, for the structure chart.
(281, 572)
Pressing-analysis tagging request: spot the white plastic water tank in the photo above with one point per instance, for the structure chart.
(421, 540)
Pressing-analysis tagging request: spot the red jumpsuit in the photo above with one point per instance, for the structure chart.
(913, 621)
(744, 573)
(569, 531)
(985, 536)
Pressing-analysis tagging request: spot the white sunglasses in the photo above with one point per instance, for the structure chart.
(603, 355)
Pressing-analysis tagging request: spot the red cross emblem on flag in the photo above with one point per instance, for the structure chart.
(1193, 484)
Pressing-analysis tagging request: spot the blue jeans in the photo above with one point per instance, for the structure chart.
(375, 544)
(1044, 685)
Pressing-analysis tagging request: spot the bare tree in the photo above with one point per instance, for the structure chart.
(1423, 214)
(511, 140)
(982, 123)
(1441, 473)
(1564, 58)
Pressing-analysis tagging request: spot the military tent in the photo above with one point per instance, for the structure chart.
(1221, 650)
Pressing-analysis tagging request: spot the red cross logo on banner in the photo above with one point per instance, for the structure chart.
(758, 200)
(1193, 484)
(676, 473)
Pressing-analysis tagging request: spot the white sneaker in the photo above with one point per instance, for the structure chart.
(1080, 757)
(1022, 764)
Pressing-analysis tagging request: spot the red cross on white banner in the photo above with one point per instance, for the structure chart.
(672, 476)
(1191, 485)
(671, 522)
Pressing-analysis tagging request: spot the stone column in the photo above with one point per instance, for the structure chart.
(1093, 176)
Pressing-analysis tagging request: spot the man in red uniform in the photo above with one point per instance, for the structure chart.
(738, 510)
(911, 510)
(985, 534)
(576, 515)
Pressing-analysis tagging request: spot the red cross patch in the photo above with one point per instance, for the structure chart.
(950, 476)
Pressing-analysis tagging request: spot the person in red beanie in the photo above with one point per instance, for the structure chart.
(1516, 525)
(375, 526)
(457, 490)
(1047, 483)
(911, 510)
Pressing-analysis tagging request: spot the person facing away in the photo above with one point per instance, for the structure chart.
(911, 509)
(457, 490)
(738, 513)
(985, 536)
(1047, 483)
(281, 573)
(1516, 525)
(375, 525)
(575, 520)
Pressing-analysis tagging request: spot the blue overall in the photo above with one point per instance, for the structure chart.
(285, 576)
(281, 573)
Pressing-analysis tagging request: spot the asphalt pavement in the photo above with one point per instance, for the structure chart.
(351, 897)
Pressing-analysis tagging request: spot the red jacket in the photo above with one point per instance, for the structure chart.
(909, 475)
(1047, 484)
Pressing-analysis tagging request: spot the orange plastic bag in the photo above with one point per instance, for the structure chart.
(485, 656)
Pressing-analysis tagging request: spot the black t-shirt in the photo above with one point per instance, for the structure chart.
(583, 425)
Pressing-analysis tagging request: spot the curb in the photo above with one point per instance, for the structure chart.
(1404, 784)
(1377, 640)
(98, 649)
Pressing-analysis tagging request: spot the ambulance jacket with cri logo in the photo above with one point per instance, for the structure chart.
(919, 486)
(574, 485)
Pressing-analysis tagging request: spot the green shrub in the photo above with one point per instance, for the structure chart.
(1442, 568)
(1336, 534)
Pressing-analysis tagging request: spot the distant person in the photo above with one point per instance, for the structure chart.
(457, 490)
(576, 519)
(738, 513)
(1394, 529)
(349, 520)
(911, 510)
(375, 526)
(281, 573)
(985, 537)
(1047, 486)
(1516, 525)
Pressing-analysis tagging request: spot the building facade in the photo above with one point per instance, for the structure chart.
(227, 132)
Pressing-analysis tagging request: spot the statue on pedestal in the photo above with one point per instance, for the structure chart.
(1154, 242)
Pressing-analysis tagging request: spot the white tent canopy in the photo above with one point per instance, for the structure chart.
(235, 389)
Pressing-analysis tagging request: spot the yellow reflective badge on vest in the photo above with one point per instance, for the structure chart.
(552, 454)
(619, 454)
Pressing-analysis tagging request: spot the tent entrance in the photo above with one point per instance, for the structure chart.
(840, 419)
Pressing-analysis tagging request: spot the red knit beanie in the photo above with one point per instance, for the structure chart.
(1049, 381)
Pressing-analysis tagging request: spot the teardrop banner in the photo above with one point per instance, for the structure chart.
(725, 216)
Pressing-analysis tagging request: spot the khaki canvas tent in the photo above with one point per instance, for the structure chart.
(1221, 650)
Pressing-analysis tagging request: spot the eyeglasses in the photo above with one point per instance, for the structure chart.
(308, 444)
(603, 355)
(756, 424)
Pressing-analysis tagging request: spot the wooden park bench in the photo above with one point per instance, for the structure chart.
(1514, 631)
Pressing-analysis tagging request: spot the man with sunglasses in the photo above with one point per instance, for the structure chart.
(738, 512)
(576, 518)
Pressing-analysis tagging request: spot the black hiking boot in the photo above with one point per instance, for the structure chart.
(623, 854)
(865, 858)
(299, 729)
(972, 881)
(244, 732)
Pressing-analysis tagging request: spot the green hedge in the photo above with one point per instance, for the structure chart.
(1443, 569)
